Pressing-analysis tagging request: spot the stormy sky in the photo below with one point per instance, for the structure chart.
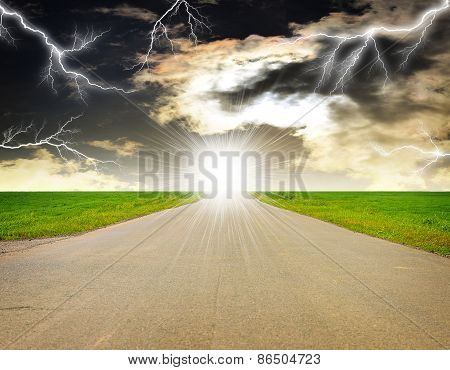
(256, 73)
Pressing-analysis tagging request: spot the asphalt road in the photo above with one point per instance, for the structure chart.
(232, 275)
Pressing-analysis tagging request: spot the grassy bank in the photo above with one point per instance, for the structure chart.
(39, 215)
(417, 219)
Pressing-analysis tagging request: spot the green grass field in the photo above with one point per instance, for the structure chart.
(420, 220)
(39, 215)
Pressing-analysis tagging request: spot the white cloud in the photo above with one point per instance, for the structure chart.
(197, 75)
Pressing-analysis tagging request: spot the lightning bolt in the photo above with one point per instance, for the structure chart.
(434, 155)
(60, 139)
(160, 30)
(57, 56)
(344, 69)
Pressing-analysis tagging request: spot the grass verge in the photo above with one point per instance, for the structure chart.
(40, 215)
(420, 220)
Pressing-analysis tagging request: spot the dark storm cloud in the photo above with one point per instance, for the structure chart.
(290, 79)
(242, 18)
(366, 85)
(26, 96)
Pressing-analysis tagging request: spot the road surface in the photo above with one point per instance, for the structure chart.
(230, 275)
